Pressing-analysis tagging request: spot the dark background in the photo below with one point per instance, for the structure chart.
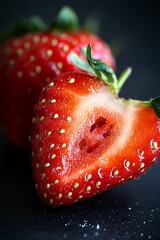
(130, 211)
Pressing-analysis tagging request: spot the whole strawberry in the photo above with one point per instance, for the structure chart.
(29, 61)
(85, 139)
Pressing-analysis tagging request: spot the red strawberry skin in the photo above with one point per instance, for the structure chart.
(86, 140)
(27, 63)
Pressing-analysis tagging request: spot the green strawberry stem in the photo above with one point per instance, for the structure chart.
(123, 77)
(93, 23)
(66, 20)
(154, 104)
(107, 75)
(100, 69)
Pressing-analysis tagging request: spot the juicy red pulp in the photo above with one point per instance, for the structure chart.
(99, 134)
(89, 140)
(101, 130)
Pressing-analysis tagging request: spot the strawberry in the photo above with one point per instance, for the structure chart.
(29, 61)
(85, 139)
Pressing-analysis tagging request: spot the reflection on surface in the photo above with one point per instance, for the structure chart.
(129, 211)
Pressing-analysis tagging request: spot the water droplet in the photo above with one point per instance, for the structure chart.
(99, 173)
(97, 227)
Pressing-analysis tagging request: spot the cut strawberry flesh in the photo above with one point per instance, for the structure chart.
(97, 136)
(89, 143)
(90, 139)
(99, 122)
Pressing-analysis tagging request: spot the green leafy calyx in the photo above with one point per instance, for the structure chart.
(106, 74)
(21, 27)
(154, 104)
(100, 69)
(66, 20)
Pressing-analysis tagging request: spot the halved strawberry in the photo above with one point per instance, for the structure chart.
(29, 61)
(85, 139)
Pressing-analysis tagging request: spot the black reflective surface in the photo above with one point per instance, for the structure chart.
(130, 211)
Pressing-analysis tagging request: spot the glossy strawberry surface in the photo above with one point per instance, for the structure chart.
(30, 61)
(85, 139)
